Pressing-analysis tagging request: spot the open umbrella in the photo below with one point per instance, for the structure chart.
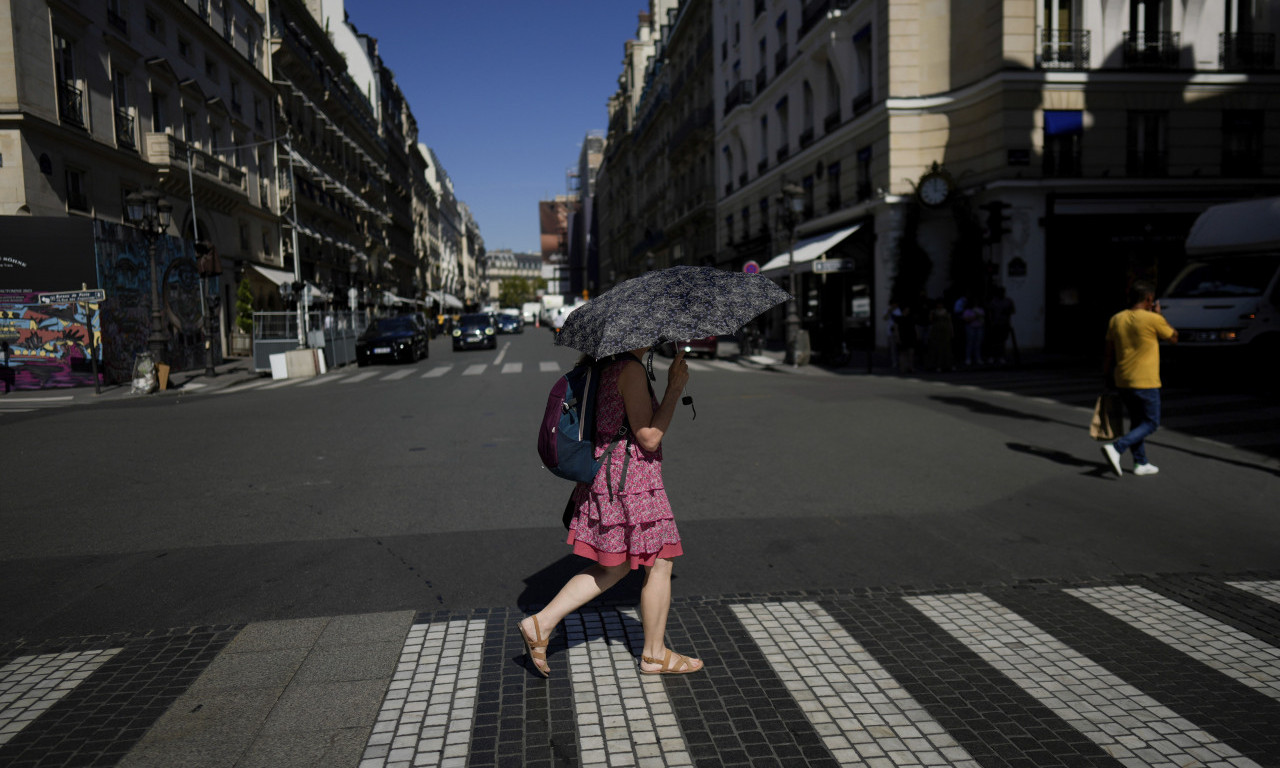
(668, 305)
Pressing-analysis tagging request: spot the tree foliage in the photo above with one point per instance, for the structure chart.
(244, 306)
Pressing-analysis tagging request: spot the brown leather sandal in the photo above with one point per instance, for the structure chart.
(536, 646)
(672, 664)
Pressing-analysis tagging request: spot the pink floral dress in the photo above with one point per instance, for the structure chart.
(614, 525)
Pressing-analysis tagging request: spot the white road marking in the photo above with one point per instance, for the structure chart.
(862, 714)
(282, 383)
(437, 372)
(29, 685)
(242, 387)
(397, 375)
(317, 380)
(1267, 590)
(502, 354)
(512, 367)
(55, 398)
(725, 365)
(1125, 722)
(360, 377)
(1221, 646)
(427, 714)
(696, 366)
(624, 717)
(194, 385)
(474, 370)
(548, 366)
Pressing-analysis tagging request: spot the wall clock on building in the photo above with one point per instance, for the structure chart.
(935, 187)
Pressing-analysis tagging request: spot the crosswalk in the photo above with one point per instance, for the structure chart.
(1142, 673)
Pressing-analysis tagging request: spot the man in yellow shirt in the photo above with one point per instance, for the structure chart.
(1133, 358)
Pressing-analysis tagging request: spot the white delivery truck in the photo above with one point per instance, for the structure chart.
(1228, 296)
(550, 303)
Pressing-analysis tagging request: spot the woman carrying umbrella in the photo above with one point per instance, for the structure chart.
(624, 528)
(623, 520)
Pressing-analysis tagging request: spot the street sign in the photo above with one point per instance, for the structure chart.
(70, 297)
(751, 268)
(833, 265)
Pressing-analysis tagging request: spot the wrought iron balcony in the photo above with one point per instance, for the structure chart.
(742, 179)
(762, 166)
(1064, 49)
(806, 137)
(70, 104)
(784, 152)
(1151, 50)
(812, 14)
(125, 136)
(832, 121)
(1245, 52)
(861, 102)
(741, 93)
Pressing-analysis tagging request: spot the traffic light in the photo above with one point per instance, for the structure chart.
(997, 220)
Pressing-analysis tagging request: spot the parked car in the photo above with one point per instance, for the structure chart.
(708, 347)
(475, 331)
(398, 339)
(509, 323)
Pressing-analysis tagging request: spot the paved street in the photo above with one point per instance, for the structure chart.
(918, 571)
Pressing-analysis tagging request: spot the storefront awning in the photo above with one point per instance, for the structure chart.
(277, 276)
(445, 299)
(391, 298)
(806, 250)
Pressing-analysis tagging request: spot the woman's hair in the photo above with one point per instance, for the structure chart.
(585, 359)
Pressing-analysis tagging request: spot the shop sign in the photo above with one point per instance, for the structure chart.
(834, 265)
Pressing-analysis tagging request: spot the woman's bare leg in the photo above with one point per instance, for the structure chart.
(655, 603)
(577, 592)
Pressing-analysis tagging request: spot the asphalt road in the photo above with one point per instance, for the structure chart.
(425, 492)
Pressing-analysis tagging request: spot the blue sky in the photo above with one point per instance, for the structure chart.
(504, 91)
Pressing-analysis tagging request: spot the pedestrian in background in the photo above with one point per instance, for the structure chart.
(975, 320)
(999, 321)
(1132, 363)
(906, 328)
(628, 525)
(938, 354)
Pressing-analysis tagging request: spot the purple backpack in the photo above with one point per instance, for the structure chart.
(565, 437)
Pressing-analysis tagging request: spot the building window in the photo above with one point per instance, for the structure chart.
(257, 111)
(784, 128)
(244, 237)
(746, 221)
(154, 26)
(806, 115)
(1063, 133)
(211, 68)
(189, 128)
(764, 215)
(125, 136)
(77, 200)
(862, 72)
(1147, 143)
(764, 138)
(809, 202)
(863, 190)
(184, 47)
(728, 228)
(115, 16)
(833, 187)
(70, 97)
(832, 120)
(235, 96)
(1242, 142)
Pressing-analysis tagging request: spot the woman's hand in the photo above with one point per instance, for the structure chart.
(677, 374)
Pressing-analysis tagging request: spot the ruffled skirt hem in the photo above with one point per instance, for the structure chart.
(610, 559)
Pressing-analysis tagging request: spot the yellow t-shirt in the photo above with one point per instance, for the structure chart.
(1135, 336)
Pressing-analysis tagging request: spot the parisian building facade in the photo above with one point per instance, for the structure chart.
(273, 129)
(1053, 149)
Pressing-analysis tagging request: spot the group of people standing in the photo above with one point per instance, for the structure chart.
(940, 332)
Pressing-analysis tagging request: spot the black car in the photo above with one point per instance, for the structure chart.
(478, 330)
(400, 339)
(509, 323)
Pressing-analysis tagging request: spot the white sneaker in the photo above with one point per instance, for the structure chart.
(1145, 469)
(1113, 458)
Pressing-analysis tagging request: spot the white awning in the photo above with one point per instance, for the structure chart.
(445, 299)
(317, 293)
(807, 250)
(277, 276)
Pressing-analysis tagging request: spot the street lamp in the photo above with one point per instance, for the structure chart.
(149, 212)
(792, 204)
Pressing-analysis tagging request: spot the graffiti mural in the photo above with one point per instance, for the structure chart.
(47, 345)
(124, 270)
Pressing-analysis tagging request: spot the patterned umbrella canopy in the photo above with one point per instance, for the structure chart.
(668, 305)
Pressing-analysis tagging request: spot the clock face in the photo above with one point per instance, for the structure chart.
(934, 190)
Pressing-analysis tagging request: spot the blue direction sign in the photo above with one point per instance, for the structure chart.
(70, 297)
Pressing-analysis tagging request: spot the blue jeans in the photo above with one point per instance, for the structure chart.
(1143, 406)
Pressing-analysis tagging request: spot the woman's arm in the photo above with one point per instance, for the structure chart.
(649, 426)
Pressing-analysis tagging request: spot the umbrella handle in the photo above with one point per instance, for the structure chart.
(688, 400)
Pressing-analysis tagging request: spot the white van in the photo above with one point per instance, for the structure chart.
(529, 310)
(1228, 295)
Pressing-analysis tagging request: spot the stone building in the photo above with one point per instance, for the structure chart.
(1056, 149)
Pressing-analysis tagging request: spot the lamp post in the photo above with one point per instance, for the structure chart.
(149, 212)
(792, 204)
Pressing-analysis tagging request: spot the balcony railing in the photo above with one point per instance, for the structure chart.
(70, 104)
(1244, 52)
(124, 130)
(742, 180)
(117, 21)
(1151, 50)
(780, 60)
(741, 93)
(806, 137)
(167, 150)
(784, 152)
(762, 166)
(832, 122)
(861, 102)
(811, 14)
(1064, 49)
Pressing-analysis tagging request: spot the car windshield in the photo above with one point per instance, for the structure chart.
(394, 325)
(1226, 277)
(475, 321)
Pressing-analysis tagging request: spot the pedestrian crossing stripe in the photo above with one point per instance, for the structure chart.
(1267, 590)
(474, 370)
(359, 377)
(29, 685)
(1126, 723)
(512, 367)
(398, 375)
(437, 372)
(1223, 647)
(547, 366)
